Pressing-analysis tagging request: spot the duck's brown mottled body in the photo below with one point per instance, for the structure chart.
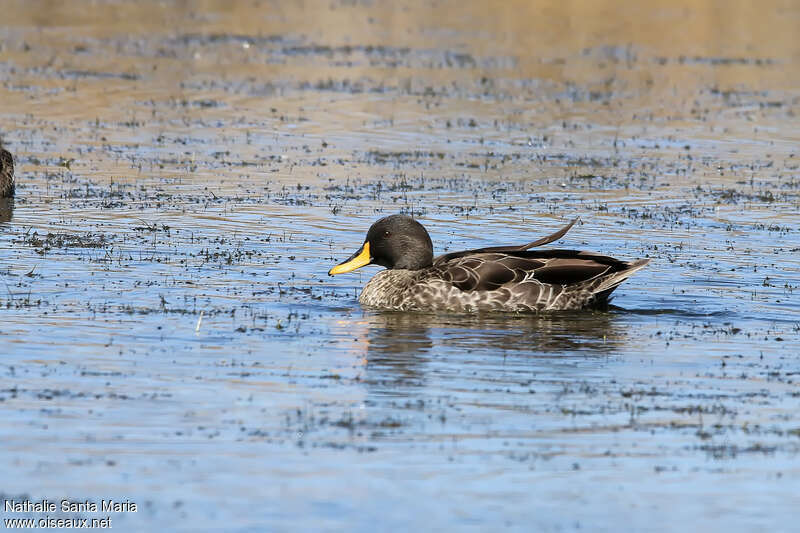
(509, 278)
(455, 285)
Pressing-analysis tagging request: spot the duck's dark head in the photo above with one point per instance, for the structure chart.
(396, 241)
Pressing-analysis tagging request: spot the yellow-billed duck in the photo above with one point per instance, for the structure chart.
(502, 278)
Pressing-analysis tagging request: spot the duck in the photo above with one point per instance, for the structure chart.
(501, 278)
(6, 173)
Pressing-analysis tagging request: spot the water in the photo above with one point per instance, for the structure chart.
(188, 175)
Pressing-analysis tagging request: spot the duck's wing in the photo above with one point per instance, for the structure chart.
(489, 271)
(508, 249)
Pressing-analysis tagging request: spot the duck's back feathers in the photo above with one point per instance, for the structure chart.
(484, 271)
(537, 280)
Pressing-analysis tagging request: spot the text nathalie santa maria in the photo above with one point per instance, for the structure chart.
(68, 506)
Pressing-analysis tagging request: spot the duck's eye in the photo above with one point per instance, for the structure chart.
(387, 234)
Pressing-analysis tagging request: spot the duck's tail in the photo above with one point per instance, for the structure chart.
(608, 282)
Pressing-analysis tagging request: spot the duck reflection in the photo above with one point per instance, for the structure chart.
(6, 209)
(400, 345)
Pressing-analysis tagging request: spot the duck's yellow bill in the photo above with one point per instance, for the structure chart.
(357, 260)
